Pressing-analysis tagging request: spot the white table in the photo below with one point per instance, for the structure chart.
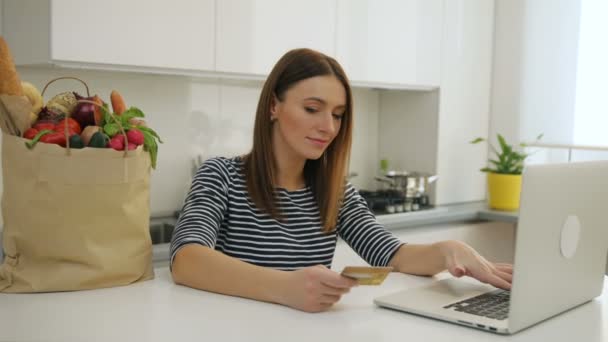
(159, 310)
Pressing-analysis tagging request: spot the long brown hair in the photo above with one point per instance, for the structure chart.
(326, 175)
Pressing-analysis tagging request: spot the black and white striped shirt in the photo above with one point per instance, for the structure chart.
(218, 213)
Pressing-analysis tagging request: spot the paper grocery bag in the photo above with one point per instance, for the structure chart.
(74, 222)
(15, 114)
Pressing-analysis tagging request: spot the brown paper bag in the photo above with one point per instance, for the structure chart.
(74, 222)
(15, 114)
(17, 110)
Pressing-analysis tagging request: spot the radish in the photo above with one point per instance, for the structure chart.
(117, 142)
(135, 136)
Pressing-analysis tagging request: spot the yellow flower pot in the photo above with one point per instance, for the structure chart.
(503, 191)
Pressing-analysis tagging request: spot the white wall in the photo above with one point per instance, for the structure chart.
(365, 149)
(204, 117)
(407, 131)
(534, 69)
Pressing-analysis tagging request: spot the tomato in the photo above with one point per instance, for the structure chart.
(54, 138)
(42, 125)
(30, 133)
(73, 125)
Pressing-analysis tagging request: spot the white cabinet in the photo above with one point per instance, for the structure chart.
(253, 34)
(464, 100)
(380, 43)
(390, 41)
(159, 34)
(431, 131)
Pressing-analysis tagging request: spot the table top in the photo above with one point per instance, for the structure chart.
(159, 310)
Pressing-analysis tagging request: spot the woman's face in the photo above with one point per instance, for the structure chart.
(309, 117)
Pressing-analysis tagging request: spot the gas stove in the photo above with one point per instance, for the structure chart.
(382, 202)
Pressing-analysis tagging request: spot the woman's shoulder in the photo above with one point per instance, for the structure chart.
(226, 163)
(351, 195)
(226, 167)
(350, 190)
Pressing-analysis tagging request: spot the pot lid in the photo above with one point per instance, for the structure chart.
(396, 173)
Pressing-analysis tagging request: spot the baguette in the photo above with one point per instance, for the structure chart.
(9, 79)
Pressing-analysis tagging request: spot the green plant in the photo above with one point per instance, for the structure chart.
(509, 161)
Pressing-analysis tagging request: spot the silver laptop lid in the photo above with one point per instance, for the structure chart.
(561, 240)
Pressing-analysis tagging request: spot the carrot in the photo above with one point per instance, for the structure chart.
(118, 103)
(97, 113)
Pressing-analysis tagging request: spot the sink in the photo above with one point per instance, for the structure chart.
(161, 232)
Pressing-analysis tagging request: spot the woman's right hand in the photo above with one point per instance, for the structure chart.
(315, 288)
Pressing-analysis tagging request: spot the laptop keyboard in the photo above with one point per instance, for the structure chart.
(493, 304)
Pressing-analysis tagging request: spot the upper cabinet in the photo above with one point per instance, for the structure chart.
(253, 34)
(464, 100)
(154, 34)
(390, 41)
(380, 43)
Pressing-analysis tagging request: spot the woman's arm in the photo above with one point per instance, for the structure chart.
(358, 227)
(455, 256)
(424, 260)
(203, 268)
(379, 247)
(311, 289)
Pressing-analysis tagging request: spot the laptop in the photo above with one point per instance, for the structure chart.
(560, 256)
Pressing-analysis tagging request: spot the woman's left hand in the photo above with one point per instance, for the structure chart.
(462, 260)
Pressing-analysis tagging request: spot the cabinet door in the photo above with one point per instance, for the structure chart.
(253, 34)
(464, 101)
(141, 33)
(390, 41)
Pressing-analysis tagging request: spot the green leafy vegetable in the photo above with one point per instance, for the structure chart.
(151, 146)
(129, 114)
(111, 128)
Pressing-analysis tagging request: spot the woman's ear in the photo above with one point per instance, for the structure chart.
(274, 103)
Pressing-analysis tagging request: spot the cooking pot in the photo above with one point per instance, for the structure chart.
(412, 184)
(418, 183)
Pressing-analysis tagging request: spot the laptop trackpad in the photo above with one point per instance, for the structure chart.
(437, 294)
(454, 289)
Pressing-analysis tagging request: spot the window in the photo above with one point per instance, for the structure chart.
(590, 116)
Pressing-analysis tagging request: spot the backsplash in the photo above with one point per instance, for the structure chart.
(202, 117)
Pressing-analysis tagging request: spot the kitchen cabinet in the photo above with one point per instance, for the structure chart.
(464, 100)
(430, 131)
(253, 34)
(113, 33)
(382, 44)
(390, 41)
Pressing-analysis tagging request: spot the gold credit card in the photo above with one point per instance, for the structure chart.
(367, 275)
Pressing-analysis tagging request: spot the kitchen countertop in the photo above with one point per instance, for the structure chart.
(159, 310)
(460, 212)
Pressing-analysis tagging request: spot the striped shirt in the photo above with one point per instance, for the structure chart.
(219, 213)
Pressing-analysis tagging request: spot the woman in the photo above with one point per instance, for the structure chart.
(265, 225)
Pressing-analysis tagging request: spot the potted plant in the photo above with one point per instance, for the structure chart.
(504, 174)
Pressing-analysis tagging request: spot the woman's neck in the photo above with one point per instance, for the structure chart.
(290, 170)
